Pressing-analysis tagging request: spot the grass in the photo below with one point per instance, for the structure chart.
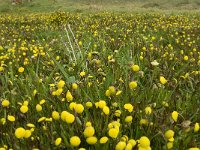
(58, 81)
(97, 5)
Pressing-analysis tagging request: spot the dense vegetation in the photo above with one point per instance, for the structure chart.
(68, 79)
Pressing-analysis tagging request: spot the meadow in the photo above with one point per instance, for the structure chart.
(102, 81)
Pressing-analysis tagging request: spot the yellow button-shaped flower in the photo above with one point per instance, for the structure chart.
(61, 84)
(24, 109)
(69, 96)
(106, 110)
(135, 68)
(163, 80)
(5, 103)
(196, 127)
(133, 85)
(75, 141)
(120, 146)
(79, 108)
(55, 115)
(20, 132)
(175, 116)
(113, 133)
(20, 69)
(103, 140)
(58, 141)
(11, 118)
(91, 140)
(89, 131)
(144, 142)
(169, 134)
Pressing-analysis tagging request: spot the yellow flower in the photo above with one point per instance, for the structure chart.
(118, 92)
(118, 113)
(129, 146)
(75, 141)
(58, 141)
(61, 84)
(38, 107)
(20, 69)
(196, 127)
(89, 131)
(128, 107)
(169, 134)
(74, 86)
(24, 109)
(41, 119)
(103, 140)
(107, 93)
(69, 96)
(88, 124)
(80, 43)
(133, 142)
(169, 145)
(25, 103)
(20, 132)
(113, 132)
(30, 125)
(163, 80)
(106, 110)
(112, 90)
(2, 121)
(27, 133)
(69, 118)
(133, 85)
(144, 142)
(101, 104)
(144, 122)
(148, 110)
(55, 115)
(120, 146)
(58, 92)
(91, 140)
(82, 74)
(5, 103)
(72, 105)
(128, 119)
(64, 115)
(135, 68)
(194, 148)
(79, 108)
(175, 115)
(11, 118)
(42, 101)
(88, 104)
(185, 58)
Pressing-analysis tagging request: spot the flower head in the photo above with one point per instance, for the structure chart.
(133, 85)
(175, 116)
(103, 140)
(5, 103)
(135, 68)
(20, 69)
(20, 132)
(196, 127)
(163, 80)
(75, 141)
(89, 131)
(58, 141)
(91, 140)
